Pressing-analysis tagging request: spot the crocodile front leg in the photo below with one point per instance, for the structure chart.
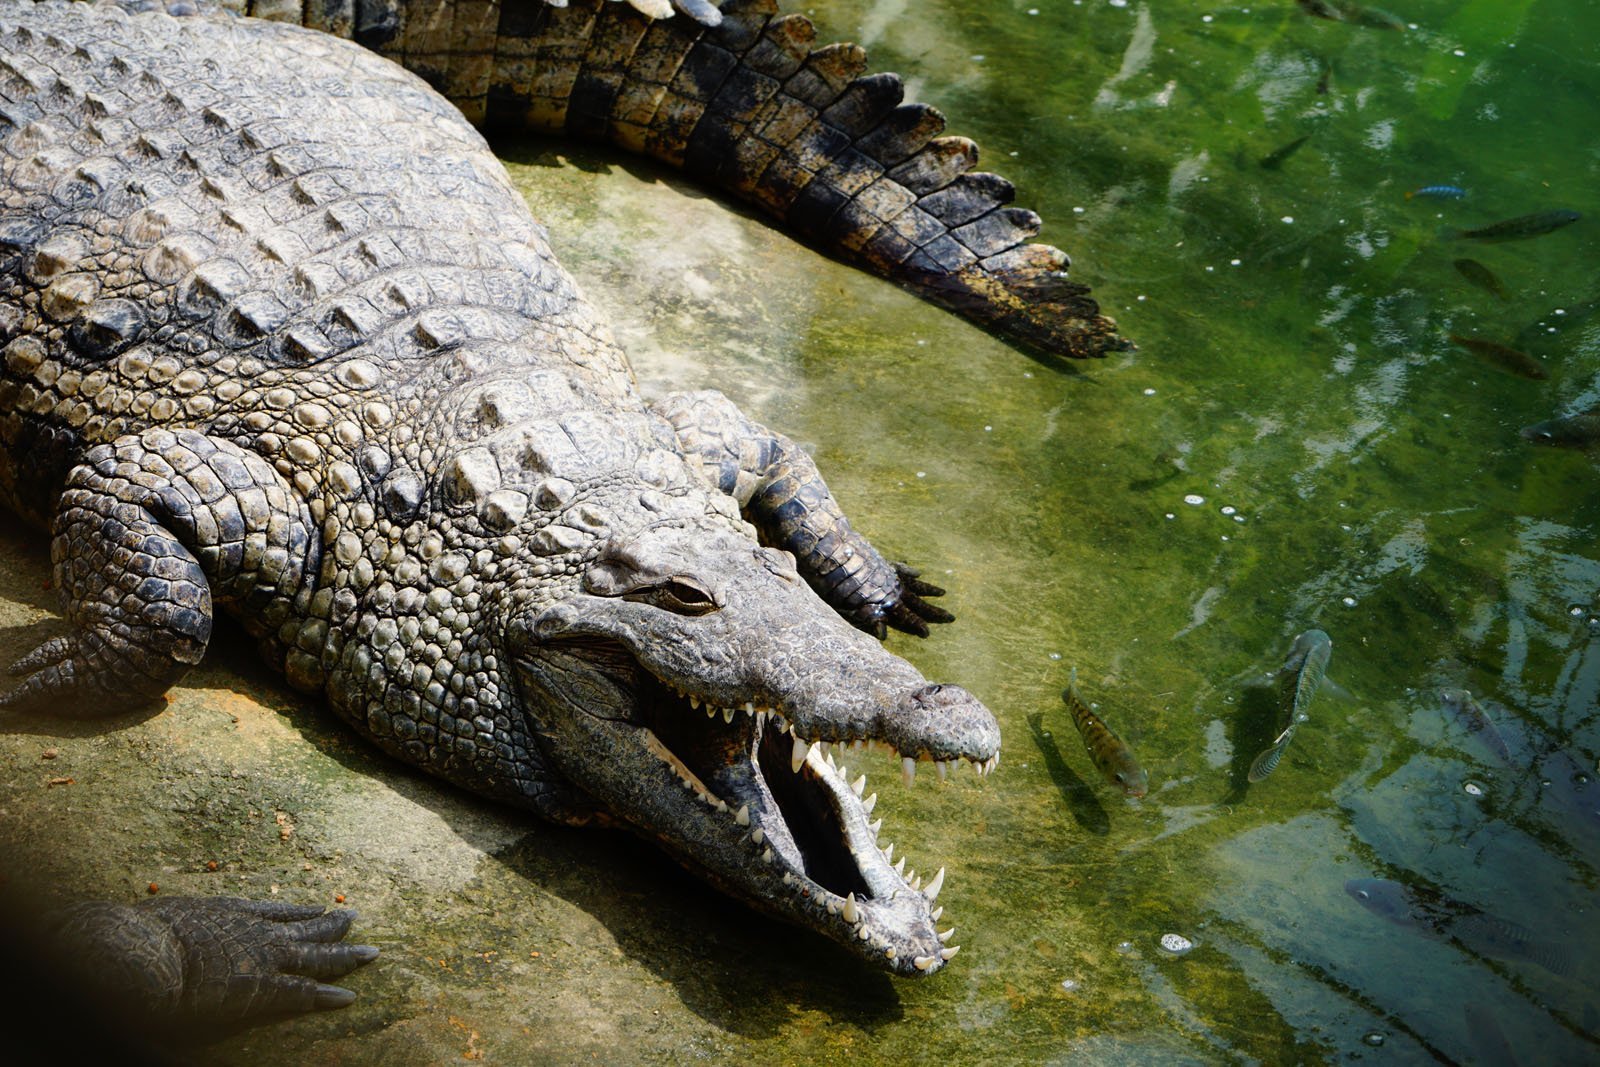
(782, 494)
(150, 530)
(206, 959)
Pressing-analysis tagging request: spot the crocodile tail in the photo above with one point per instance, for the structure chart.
(752, 107)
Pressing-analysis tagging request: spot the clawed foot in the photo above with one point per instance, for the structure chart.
(247, 958)
(205, 961)
(909, 612)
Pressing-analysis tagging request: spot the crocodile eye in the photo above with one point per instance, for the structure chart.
(677, 595)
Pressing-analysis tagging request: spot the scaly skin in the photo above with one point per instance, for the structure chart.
(281, 338)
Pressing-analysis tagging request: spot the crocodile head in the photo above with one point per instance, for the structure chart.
(696, 686)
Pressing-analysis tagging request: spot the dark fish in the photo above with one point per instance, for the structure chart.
(1326, 79)
(1568, 431)
(1276, 158)
(1110, 753)
(1454, 921)
(1557, 321)
(1540, 222)
(1298, 680)
(1481, 276)
(1514, 360)
(1347, 11)
(1438, 192)
(1459, 703)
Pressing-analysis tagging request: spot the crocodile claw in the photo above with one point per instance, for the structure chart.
(910, 612)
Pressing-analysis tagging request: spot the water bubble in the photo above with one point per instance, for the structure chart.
(1149, 392)
(1125, 947)
(1457, 52)
(1472, 789)
(1373, 1038)
(1575, 610)
(922, 474)
(1055, 655)
(1348, 601)
(1077, 211)
(1170, 515)
(1228, 509)
(1194, 499)
(1176, 944)
(1288, 219)
(1233, 262)
(1238, 518)
(1069, 984)
(988, 429)
(1205, 18)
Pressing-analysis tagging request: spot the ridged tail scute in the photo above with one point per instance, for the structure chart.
(752, 107)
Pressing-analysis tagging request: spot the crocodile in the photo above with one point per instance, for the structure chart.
(279, 337)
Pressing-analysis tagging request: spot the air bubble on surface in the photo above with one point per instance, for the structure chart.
(1228, 509)
(1194, 499)
(1472, 789)
(1176, 944)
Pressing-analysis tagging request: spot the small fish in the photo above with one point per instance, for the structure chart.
(1568, 431)
(1298, 680)
(1451, 920)
(1481, 276)
(1459, 702)
(1326, 79)
(1540, 222)
(1512, 359)
(1347, 11)
(1275, 160)
(1556, 322)
(1110, 753)
(1438, 192)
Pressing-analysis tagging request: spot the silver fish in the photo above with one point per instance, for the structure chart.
(1459, 703)
(1298, 680)
(1451, 920)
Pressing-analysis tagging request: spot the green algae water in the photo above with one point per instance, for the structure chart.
(1297, 443)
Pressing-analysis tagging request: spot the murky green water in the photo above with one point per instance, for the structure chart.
(1295, 444)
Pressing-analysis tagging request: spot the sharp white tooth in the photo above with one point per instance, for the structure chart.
(947, 935)
(694, 702)
(889, 953)
(859, 786)
(749, 707)
(888, 853)
(844, 772)
(863, 933)
(912, 880)
(935, 914)
(868, 804)
(932, 892)
(758, 835)
(711, 710)
(722, 805)
(900, 866)
(797, 755)
(766, 857)
(787, 878)
(727, 714)
(922, 963)
(833, 907)
(742, 817)
(947, 953)
(875, 825)
(851, 913)
(943, 767)
(908, 770)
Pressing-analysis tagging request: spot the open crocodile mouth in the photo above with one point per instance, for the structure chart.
(804, 822)
(768, 815)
